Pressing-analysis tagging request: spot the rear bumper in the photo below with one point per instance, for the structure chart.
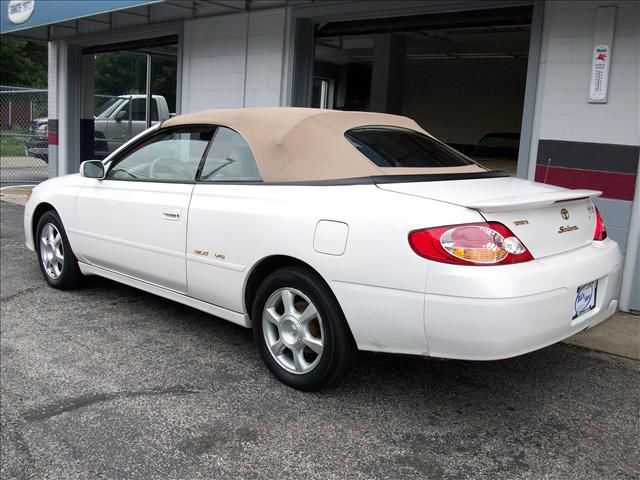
(511, 310)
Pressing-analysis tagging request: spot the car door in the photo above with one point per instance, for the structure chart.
(134, 221)
(219, 219)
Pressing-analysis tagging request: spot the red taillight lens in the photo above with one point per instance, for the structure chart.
(601, 229)
(470, 244)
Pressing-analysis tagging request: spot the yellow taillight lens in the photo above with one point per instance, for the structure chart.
(479, 255)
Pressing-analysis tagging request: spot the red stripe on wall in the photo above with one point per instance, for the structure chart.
(53, 138)
(616, 185)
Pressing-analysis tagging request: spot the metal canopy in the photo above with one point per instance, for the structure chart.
(51, 20)
(20, 15)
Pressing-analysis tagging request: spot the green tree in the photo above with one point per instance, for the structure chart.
(123, 73)
(120, 73)
(23, 63)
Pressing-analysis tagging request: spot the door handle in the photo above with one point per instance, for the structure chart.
(173, 215)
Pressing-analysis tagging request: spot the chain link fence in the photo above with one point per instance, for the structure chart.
(23, 136)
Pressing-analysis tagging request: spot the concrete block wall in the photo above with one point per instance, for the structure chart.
(568, 42)
(233, 61)
(589, 130)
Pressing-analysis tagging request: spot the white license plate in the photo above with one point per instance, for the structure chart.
(586, 298)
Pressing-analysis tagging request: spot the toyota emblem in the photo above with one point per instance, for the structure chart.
(564, 213)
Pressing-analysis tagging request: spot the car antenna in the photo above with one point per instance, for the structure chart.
(546, 174)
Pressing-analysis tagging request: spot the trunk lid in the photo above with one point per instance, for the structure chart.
(547, 219)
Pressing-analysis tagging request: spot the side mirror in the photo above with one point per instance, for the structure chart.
(92, 169)
(121, 115)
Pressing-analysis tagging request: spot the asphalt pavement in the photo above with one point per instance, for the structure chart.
(107, 382)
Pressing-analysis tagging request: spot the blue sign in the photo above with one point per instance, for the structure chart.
(24, 14)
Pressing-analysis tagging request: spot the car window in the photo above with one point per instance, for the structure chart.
(168, 156)
(401, 147)
(109, 107)
(229, 159)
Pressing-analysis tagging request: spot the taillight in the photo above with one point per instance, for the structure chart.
(601, 229)
(488, 243)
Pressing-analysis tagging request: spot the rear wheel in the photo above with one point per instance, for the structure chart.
(300, 330)
(58, 264)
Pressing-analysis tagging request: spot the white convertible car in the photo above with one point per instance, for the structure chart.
(329, 232)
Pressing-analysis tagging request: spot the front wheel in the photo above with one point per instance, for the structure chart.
(300, 330)
(58, 264)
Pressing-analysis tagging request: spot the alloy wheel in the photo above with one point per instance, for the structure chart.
(293, 330)
(52, 250)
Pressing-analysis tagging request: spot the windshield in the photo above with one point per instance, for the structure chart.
(109, 106)
(401, 147)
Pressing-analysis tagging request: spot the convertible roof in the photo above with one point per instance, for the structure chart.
(308, 144)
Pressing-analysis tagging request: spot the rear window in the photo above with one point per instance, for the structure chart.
(401, 147)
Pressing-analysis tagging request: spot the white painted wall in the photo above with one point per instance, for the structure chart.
(562, 111)
(460, 101)
(52, 103)
(233, 61)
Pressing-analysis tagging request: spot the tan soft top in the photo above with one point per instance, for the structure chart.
(308, 144)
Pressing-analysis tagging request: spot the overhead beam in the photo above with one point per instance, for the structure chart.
(439, 21)
(224, 5)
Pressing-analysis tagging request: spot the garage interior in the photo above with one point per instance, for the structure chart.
(460, 75)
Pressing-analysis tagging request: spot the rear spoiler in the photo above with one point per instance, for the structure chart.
(531, 201)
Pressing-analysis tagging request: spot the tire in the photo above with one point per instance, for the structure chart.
(304, 350)
(58, 264)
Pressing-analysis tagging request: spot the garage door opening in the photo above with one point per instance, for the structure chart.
(461, 76)
(126, 89)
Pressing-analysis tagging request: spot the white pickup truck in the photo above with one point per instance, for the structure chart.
(116, 121)
(122, 118)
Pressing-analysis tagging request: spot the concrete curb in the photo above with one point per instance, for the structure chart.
(16, 194)
(620, 335)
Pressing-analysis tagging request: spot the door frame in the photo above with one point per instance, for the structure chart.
(300, 46)
(64, 102)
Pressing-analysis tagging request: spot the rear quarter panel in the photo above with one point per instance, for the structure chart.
(378, 280)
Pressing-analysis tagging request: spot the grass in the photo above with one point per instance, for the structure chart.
(12, 144)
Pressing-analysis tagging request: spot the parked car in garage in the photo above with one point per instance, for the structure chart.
(328, 232)
(498, 151)
(118, 120)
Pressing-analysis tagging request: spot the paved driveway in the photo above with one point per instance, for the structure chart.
(110, 382)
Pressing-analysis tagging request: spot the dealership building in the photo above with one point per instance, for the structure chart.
(552, 86)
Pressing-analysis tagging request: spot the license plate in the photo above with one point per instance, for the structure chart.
(586, 298)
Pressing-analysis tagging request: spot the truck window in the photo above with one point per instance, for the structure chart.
(139, 110)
